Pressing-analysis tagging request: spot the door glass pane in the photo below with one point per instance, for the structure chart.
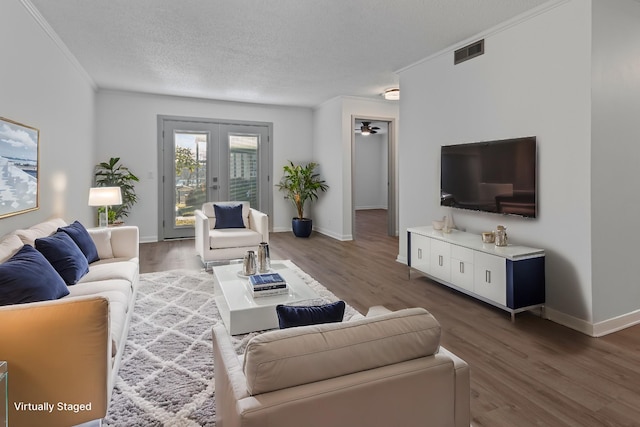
(191, 175)
(243, 168)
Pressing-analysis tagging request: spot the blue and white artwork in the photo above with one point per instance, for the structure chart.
(18, 168)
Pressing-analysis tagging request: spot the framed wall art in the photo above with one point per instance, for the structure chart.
(19, 145)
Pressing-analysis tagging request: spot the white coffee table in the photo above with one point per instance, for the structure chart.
(241, 313)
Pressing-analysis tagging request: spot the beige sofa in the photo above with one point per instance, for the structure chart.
(222, 244)
(67, 352)
(387, 369)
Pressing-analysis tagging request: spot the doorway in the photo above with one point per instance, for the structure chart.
(206, 161)
(373, 173)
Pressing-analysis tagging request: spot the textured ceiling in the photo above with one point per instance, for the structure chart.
(285, 52)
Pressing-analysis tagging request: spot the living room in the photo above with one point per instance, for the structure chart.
(562, 72)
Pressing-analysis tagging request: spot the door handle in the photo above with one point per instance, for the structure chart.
(487, 276)
(215, 187)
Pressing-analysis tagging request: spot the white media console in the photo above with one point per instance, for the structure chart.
(509, 277)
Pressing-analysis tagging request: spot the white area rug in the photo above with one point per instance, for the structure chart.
(166, 377)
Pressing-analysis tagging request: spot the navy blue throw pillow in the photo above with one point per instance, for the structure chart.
(64, 255)
(292, 316)
(81, 236)
(28, 277)
(228, 216)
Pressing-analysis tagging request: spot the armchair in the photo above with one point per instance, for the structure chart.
(386, 369)
(217, 244)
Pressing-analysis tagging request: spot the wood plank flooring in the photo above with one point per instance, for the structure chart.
(529, 373)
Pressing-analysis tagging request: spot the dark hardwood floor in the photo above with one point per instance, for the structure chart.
(532, 372)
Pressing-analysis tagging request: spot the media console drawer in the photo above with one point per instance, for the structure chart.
(511, 277)
(462, 270)
(490, 277)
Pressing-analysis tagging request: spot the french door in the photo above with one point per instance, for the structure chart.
(207, 161)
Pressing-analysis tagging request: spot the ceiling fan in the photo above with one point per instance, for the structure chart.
(367, 129)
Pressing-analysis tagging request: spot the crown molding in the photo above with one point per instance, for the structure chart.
(57, 41)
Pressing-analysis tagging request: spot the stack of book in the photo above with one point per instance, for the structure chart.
(268, 284)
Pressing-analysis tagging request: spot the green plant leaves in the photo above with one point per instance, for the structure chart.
(112, 174)
(301, 183)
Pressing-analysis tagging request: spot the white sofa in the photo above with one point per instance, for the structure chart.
(68, 351)
(386, 369)
(222, 244)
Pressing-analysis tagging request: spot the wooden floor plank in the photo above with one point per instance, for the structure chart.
(531, 372)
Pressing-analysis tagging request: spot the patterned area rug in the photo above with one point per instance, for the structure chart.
(166, 376)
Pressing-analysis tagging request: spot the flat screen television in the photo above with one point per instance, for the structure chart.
(491, 176)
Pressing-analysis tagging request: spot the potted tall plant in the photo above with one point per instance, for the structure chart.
(112, 174)
(299, 184)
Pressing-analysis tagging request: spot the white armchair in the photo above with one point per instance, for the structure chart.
(385, 369)
(217, 244)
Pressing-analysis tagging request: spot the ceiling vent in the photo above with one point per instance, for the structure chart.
(468, 52)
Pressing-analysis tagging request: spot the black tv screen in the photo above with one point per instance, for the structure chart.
(490, 176)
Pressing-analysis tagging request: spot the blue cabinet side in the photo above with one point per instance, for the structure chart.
(529, 276)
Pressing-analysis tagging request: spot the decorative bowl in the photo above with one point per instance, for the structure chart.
(437, 225)
(488, 237)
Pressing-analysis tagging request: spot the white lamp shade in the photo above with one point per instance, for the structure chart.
(105, 196)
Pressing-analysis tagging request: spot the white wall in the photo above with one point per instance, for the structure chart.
(370, 171)
(127, 128)
(615, 156)
(333, 150)
(326, 212)
(41, 87)
(534, 79)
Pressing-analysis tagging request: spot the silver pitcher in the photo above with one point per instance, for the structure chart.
(264, 260)
(249, 263)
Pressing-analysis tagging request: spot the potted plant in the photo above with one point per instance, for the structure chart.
(301, 183)
(112, 174)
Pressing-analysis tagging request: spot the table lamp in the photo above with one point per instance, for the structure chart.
(105, 196)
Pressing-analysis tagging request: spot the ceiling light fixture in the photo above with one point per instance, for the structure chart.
(392, 94)
(367, 129)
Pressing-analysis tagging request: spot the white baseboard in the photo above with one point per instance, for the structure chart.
(364, 208)
(148, 239)
(569, 321)
(316, 229)
(333, 235)
(616, 324)
(598, 329)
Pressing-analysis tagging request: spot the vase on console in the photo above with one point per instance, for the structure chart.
(448, 224)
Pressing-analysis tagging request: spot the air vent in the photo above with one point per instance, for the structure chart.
(470, 51)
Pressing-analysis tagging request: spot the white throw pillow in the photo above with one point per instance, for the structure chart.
(102, 239)
(9, 246)
(43, 229)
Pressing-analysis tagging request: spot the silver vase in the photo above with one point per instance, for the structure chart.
(264, 260)
(249, 263)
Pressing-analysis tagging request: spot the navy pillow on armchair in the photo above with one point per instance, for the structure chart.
(228, 216)
(292, 316)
